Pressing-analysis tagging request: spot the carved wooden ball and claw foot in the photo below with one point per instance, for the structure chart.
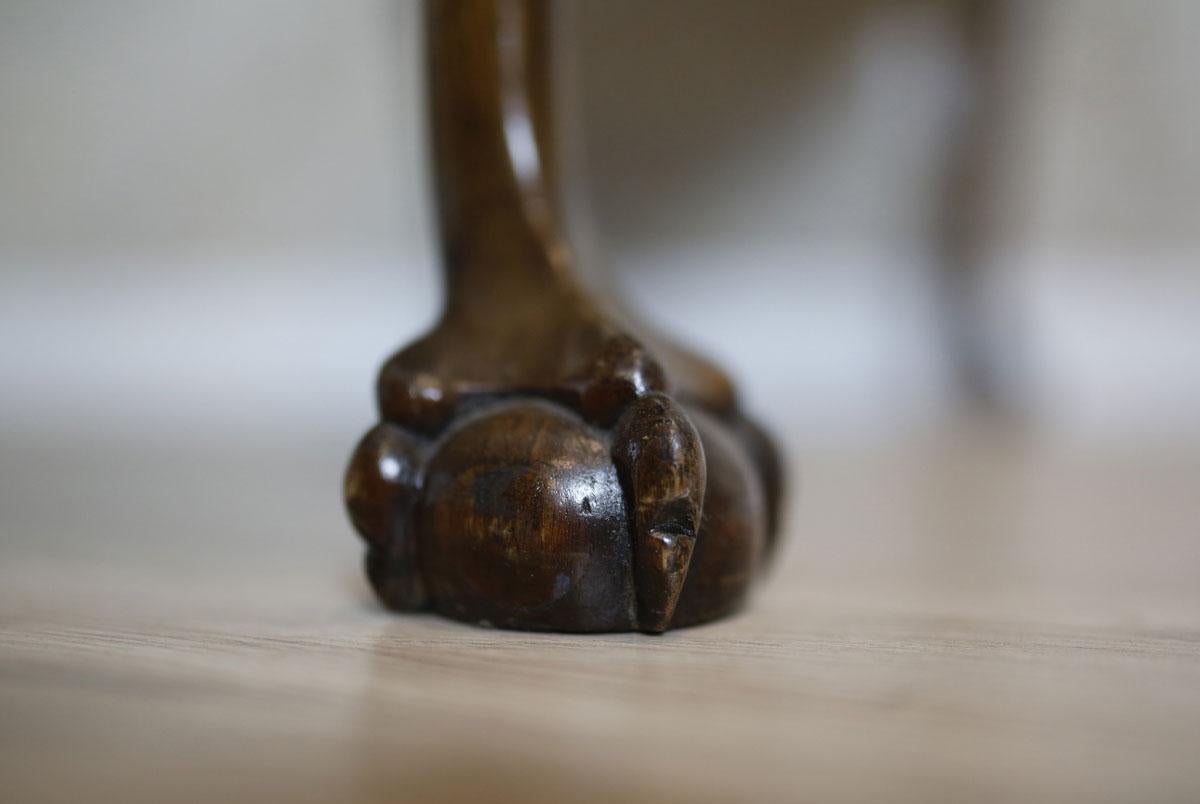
(536, 466)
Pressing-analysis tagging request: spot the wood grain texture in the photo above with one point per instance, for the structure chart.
(972, 617)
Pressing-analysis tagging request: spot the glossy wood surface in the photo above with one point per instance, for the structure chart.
(971, 617)
(537, 465)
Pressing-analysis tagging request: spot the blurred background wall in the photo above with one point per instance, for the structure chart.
(214, 217)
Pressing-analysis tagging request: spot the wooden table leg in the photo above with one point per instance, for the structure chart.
(539, 465)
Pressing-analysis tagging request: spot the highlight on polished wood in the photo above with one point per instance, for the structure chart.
(541, 462)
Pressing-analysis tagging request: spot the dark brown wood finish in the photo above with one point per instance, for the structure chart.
(537, 466)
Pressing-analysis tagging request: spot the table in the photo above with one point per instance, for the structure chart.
(972, 614)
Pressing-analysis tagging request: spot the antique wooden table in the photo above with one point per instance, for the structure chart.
(968, 615)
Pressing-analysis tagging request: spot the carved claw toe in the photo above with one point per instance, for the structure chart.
(661, 565)
(381, 489)
(662, 468)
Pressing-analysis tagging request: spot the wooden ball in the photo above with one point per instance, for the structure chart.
(523, 523)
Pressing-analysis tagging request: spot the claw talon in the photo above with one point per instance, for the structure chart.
(382, 484)
(661, 464)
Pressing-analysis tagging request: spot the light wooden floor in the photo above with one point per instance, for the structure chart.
(964, 618)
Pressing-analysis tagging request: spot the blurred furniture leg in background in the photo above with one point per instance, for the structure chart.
(967, 215)
(540, 463)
